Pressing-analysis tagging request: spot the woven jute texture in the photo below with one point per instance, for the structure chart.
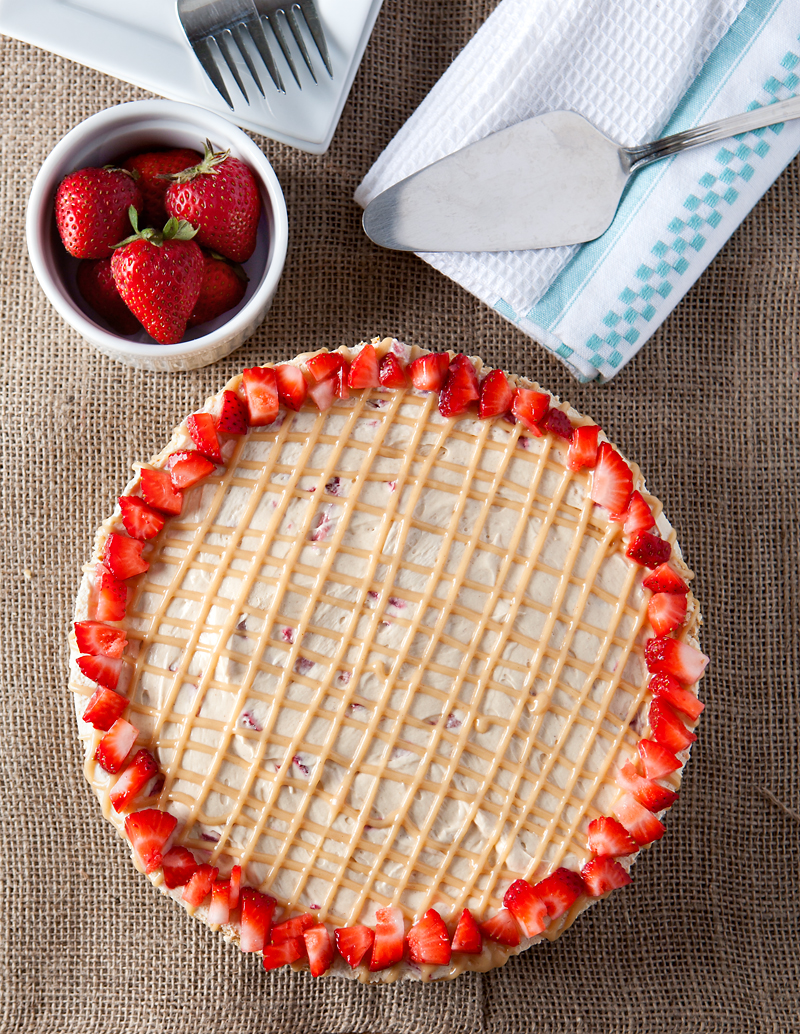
(708, 937)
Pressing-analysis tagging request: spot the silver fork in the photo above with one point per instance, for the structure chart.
(223, 28)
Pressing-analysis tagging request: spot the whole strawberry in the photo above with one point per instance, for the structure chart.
(220, 196)
(158, 274)
(224, 285)
(96, 284)
(92, 210)
(152, 168)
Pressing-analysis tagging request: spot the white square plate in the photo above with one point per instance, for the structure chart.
(143, 43)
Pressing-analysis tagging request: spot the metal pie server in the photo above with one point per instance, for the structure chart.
(544, 182)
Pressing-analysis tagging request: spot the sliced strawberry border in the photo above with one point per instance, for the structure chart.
(675, 667)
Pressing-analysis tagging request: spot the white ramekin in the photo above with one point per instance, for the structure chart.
(113, 134)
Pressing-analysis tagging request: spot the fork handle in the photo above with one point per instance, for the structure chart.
(721, 130)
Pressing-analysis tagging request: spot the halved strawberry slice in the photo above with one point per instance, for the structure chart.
(353, 943)
(134, 779)
(199, 886)
(657, 761)
(323, 365)
(389, 938)
(502, 928)
(648, 550)
(323, 393)
(148, 831)
(665, 687)
(666, 611)
(363, 372)
(559, 891)
(123, 556)
(527, 907)
(235, 885)
(639, 516)
(460, 388)
(467, 937)
(639, 821)
(219, 911)
(291, 928)
(603, 874)
(141, 521)
(204, 435)
(319, 948)
(104, 708)
(261, 393)
(391, 373)
(653, 796)
(232, 417)
(497, 395)
(612, 481)
(103, 670)
(275, 956)
(341, 378)
(608, 836)
(428, 372)
(429, 941)
(178, 866)
(668, 729)
(188, 467)
(529, 407)
(557, 422)
(257, 912)
(116, 745)
(664, 579)
(582, 450)
(99, 639)
(292, 385)
(159, 491)
(673, 657)
(111, 595)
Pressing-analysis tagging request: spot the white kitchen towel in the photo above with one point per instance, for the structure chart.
(637, 69)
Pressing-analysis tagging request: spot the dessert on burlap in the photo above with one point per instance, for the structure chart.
(386, 665)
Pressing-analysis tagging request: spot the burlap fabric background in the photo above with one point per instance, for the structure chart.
(707, 938)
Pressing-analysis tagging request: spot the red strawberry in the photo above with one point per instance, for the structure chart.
(529, 407)
(666, 611)
(92, 210)
(672, 657)
(668, 729)
(389, 938)
(178, 865)
(652, 795)
(123, 556)
(256, 920)
(639, 516)
(341, 377)
(391, 373)
(232, 417)
(148, 831)
(657, 761)
(319, 948)
(648, 550)
(134, 779)
(497, 396)
(639, 821)
(667, 688)
(353, 943)
(291, 928)
(292, 387)
(111, 595)
(502, 928)
(116, 745)
(104, 708)
(96, 284)
(612, 482)
(460, 388)
(429, 941)
(235, 885)
(222, 288)
(261, 394)
(275, 956)
(527, 907)
(141, 521)
(557, 422)
(204, 435)
(100, 640)
(103, 670)
(583, 447)
(219, 910)
(664, 579)
(152, 167)
(363, 371)
(608, 836)
(559, 891)
(186, 468)
(323, 393)
(199, 886)
(159, 491)
(428, 372)
(324, 364)
(603, 874)
(467, 937)
(221, 197)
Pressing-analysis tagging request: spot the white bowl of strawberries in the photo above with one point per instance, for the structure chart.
(158, 231)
